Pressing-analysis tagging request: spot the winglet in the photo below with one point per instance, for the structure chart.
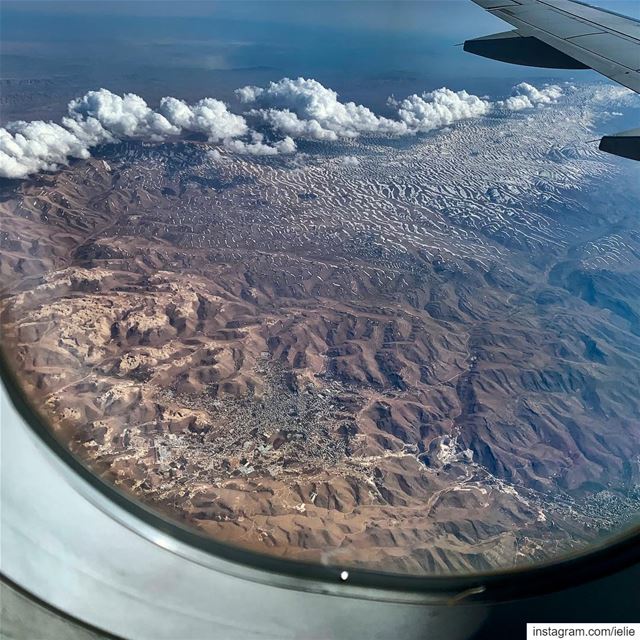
(625, 144)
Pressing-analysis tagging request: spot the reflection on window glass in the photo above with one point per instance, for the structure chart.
(372, 304)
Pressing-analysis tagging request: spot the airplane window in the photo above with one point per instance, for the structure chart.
(314, 284)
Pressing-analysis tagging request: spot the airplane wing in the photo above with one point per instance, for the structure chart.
(565, 34)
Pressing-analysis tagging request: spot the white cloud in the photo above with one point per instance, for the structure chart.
(298, 109)
(611, 93)
(124, 117)
(257, 146)
(439, 108)
(249, 93)
(526, 96)
(290, 124)
(101, 116)
(30, 147)
(215, 156)
(208, 116)
(305, 108)
(89, 131)
(350, 161)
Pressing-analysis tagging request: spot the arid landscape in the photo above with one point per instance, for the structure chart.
(411, 356)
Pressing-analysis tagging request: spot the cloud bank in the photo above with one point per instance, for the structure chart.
(440, 108)
(102, 116)
(526, 96)
(611, 93)
(305, 108)
(291, 108)
(208, 116)
(121, 117)
(257, 146)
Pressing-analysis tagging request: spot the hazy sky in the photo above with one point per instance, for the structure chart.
(364, 49)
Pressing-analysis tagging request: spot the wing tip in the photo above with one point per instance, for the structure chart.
(625, 144)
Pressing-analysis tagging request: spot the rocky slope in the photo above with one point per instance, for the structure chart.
(398, 363)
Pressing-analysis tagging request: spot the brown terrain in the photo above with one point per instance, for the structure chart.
(248, 348)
